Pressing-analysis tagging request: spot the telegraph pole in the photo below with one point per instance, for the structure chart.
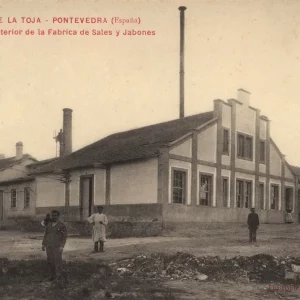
(66, 179)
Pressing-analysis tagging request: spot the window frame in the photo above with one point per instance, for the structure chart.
(227, 145)
(243, 195)
(27, 189)
(262, 161)
(262, 196)
(13, 199)
(276, 204)
(248, 196)
(245, 151)
(211, 188)
(227, 192)
(185, 188)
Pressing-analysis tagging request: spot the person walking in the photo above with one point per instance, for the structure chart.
(99, 221)
(54, 241)
(253, 224)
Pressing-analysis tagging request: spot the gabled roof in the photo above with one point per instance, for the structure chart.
(40, 163)
(6, 163)
(138, 143)
(17, 180)
(281, 155)
(296, 170)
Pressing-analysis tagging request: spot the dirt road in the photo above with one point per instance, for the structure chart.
(278, 240)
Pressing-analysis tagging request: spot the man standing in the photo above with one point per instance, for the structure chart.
(99, 222)
(253, 224)
(54, 241)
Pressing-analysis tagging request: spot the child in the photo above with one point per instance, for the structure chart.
(288, 216)
(46, 221)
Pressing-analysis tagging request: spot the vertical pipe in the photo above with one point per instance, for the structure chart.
(67, 180)
(67, 131)
(181, 72)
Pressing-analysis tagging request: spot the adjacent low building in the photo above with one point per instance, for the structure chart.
(17, 189)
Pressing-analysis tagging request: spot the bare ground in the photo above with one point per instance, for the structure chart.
(278, 240)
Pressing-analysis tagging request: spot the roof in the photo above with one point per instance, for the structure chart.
(41, 163)
(139, 143)
(11, 161)
(296, 170)
(281, 155)
(17, 180)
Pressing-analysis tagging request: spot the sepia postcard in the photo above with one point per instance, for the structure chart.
(149, 149)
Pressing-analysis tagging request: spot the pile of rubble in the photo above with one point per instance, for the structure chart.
(257, 268)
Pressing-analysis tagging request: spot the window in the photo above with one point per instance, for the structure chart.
(13, 198)
(241, 146)
(248, 147)
(274, 196)
(225, 192)
(248, 193)
(179, 186)
(26, 197)
(225, 141)
(205, 189)
(245, 146)
(289, 196)
(243, 193)
(261, 191)
(262, 151)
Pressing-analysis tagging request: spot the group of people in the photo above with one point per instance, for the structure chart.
(55, 237)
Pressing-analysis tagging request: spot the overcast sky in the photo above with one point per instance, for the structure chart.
(118, 83)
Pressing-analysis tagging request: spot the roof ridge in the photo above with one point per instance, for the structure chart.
(136, 143)
(161, 123)
(139, 128)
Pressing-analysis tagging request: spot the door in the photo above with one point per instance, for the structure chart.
(86, 196)
(1, 206)
(288, 199)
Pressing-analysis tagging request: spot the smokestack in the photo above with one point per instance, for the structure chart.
(181, 72)
(19, 150)
(67, 131)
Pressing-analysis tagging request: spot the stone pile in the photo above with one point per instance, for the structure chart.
(183, 266)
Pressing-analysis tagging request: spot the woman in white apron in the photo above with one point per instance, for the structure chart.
(99, 221)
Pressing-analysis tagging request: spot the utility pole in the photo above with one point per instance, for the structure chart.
(66, 179)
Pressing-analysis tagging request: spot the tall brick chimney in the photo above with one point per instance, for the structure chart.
(67, 131)
(181, 72)
(19, 150)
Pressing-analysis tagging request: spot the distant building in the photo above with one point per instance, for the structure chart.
(17, 196)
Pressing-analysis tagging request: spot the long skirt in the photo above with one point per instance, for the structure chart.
(99, 233)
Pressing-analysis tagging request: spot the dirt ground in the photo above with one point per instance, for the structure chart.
(278, 240)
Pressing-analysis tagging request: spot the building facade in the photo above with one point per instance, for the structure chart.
(17, 189)
(207, 168)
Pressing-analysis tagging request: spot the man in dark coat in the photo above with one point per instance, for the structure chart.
(54, 241)
(253, 224)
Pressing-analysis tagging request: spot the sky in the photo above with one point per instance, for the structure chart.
(119, 83)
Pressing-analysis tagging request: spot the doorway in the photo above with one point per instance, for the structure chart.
(86, 196)
(288, 199)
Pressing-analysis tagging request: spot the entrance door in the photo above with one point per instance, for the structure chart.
(288, 199)
(1, 206)
(86, 196)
